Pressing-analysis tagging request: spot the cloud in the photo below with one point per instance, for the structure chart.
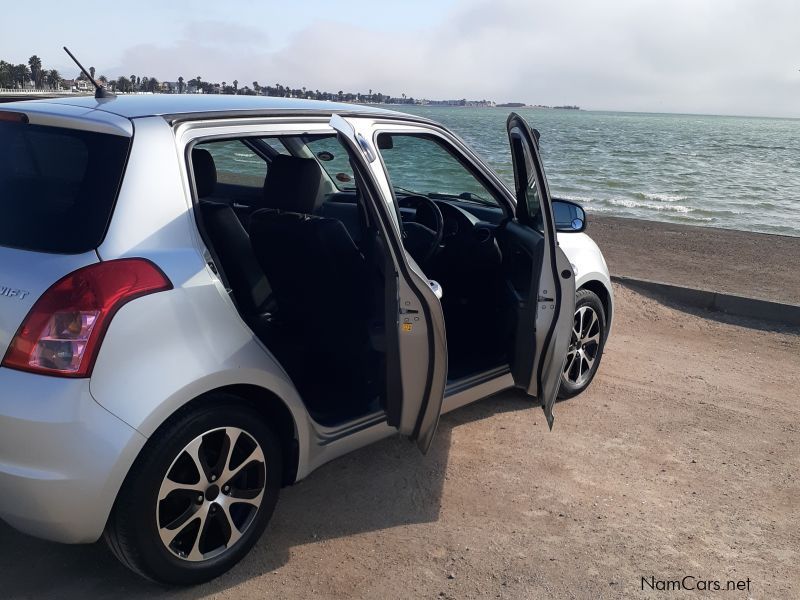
(210, 49)
(712, 56)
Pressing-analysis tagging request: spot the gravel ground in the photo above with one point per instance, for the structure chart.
(682, 459)
(756, 265)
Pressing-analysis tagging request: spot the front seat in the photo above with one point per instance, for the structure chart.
(292, 184)
(320, 280)
(251, 290)
(317, 272)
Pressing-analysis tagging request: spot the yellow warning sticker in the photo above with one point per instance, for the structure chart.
(407, 326)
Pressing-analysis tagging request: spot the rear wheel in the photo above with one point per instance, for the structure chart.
(200, 495)
(585, 345)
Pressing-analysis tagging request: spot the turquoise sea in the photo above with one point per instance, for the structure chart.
(730, 172)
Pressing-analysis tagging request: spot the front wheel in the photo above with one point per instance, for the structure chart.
(200, 495)
(585, 345)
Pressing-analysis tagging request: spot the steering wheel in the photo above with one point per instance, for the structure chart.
(424, 234)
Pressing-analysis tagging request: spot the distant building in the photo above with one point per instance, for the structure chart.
(76, 85)
(462, 102)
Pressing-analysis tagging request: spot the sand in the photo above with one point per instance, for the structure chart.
(681, 459)
(755, 265)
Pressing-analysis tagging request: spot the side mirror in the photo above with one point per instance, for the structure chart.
(569, 216)
(385, 142)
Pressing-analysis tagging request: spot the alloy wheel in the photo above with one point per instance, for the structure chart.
(584, 346)
(211, 494)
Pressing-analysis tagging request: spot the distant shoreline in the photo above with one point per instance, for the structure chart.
(503, 105)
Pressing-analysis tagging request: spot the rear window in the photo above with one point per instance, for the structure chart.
(57, 186)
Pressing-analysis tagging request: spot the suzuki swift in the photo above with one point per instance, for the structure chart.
(205, 298)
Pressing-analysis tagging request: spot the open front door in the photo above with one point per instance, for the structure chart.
(543, 282)
(416, 346)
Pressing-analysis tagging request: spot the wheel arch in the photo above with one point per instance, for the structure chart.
(277, 415)
(602, 292)
(268, 404)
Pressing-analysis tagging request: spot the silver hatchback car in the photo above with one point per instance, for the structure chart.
(203, 299)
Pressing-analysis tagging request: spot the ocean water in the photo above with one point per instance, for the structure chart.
(730, 172)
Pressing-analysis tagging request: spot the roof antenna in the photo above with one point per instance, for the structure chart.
(99, 91)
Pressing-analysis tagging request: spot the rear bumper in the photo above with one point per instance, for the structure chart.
(63, 457)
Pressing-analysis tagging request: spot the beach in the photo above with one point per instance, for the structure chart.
(681, 459)
(743, 263)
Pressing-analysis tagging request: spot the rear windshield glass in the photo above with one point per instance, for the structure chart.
(57, 186)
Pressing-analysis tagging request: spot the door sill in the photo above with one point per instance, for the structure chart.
(327, 435)
(464, 383)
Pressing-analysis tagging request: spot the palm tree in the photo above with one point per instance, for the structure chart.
(256, 87)
(5, 74)
(35, 64)
(91, 72)
(180, 85)
(235, 86)
(21, 74)
(53, 79)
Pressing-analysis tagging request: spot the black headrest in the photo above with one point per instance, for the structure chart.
(205, 172)
(292, 184)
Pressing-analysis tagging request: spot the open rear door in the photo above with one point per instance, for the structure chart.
(545, 304)
(416, 346)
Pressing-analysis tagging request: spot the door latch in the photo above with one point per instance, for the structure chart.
(543, 298)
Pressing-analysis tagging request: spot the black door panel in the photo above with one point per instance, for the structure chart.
(522, 249)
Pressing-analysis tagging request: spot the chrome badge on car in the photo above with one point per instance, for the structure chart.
(10, 292)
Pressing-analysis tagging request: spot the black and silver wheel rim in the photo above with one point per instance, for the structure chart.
(211, 494)
(584, 346)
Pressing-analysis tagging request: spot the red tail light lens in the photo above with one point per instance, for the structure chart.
(63, 331)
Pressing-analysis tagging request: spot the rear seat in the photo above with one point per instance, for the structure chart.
(251, 289)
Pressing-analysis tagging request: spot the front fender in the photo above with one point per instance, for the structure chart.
(589, 265)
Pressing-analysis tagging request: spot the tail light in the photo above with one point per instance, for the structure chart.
(63, 331)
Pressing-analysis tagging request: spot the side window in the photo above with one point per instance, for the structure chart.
(236, 163)
(276, 144)
(422, 164)
(333, 159)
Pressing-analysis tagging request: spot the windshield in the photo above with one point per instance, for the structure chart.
(422, 165)
(57, 186)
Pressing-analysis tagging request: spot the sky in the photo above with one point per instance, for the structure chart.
(739, 57)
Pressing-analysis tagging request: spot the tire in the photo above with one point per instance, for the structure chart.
(585, 349)
(183, 533)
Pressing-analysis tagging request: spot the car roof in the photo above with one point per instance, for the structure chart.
(185, 105)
